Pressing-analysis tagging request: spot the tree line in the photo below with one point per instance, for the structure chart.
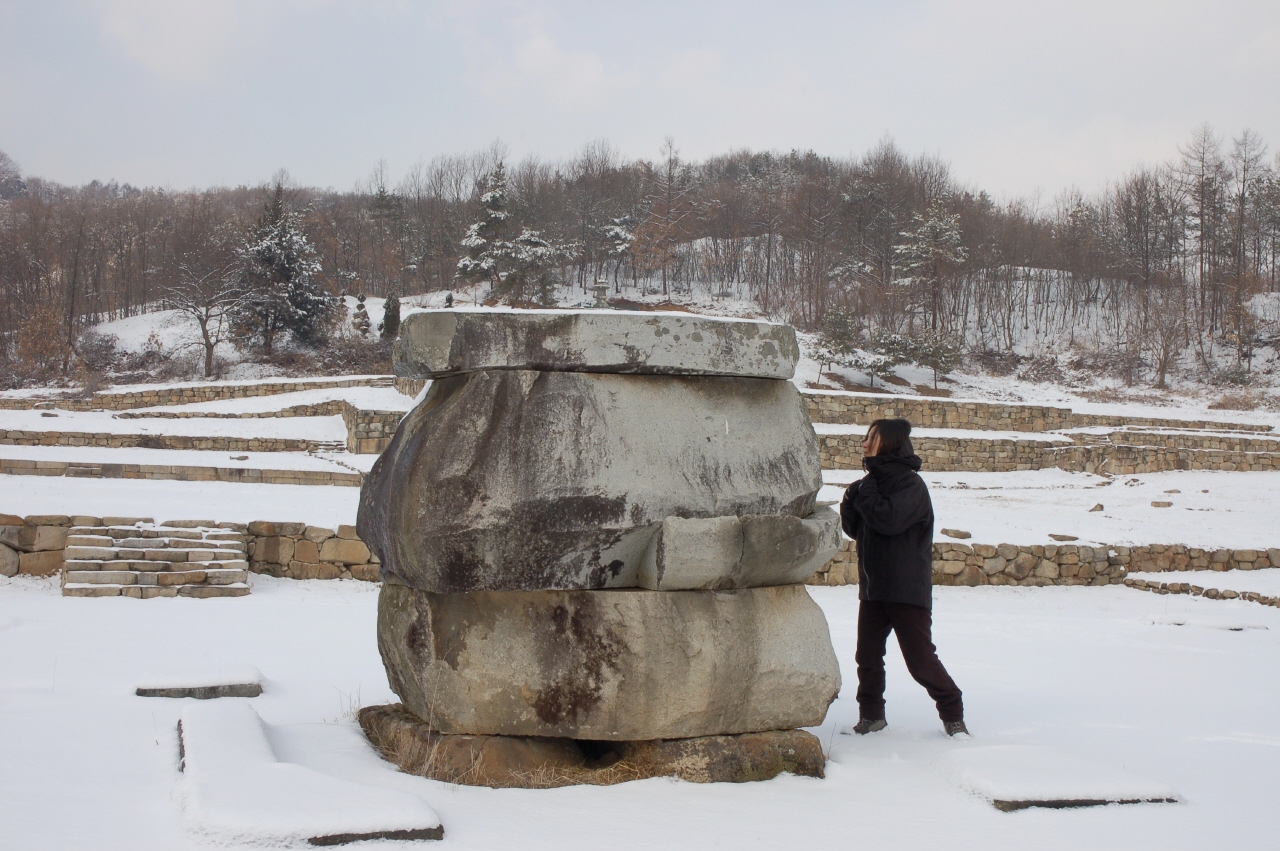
(1165, 260)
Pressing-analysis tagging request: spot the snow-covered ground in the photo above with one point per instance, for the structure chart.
(103, 422)
(1174, 689)
(961, 433)
(185, 457)
(367, 398)
(231, 502)
(1210, 508)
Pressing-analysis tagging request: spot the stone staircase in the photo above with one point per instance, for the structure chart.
(136, 557)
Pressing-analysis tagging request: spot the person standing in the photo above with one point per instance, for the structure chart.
(889, 514)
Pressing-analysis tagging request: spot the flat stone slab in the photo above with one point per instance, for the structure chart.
(520, 480)
(436, 343)
(541, 763)
(203, 682)
(618, 665)
(1018, 777)
(203, 692)
(739, 552)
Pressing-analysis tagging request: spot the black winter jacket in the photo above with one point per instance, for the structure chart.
(889, 514)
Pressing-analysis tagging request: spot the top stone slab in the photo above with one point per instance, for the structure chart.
(437, 343)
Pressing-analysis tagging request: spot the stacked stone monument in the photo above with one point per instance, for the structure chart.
(593, 531)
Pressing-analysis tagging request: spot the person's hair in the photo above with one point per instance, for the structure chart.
(893, 434)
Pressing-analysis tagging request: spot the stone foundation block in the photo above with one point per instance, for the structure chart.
(529, 762)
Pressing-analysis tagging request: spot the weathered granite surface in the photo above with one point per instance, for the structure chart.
(523, 480)
(436, 343)
(739, 552)
(609, 665)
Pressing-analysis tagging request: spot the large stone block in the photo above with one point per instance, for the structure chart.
(436, 343)
(614, 665)
(739, 552)
(520, 480)
(8, 561)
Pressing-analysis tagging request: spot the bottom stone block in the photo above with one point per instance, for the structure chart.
(529, 762)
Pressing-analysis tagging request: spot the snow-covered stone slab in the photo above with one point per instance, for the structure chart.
(1016, 777)
(235, 790)
(621, 665)
(739, 552)
(204, 683)
(436, 343)
(519, 480)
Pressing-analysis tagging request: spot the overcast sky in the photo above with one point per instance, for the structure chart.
(1020, 97)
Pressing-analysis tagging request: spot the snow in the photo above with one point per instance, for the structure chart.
(1040, 773)
(231, 502)
(236, 789)
(184, 457)
(650, 314)
(1094, 672)
(1211, 508)
(366, 398)
(101, 422)
(187, 675)
(962, 433)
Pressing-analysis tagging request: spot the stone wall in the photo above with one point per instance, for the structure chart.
(369, 432)
(187, 394)
(1201, 591)
(299, 551)
(214, 443)
(930, 412)
(955, 563)
(34, 545)
(178, 472)
(997, 455)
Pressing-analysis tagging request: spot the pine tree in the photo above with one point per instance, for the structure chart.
(478, 265)
(280, 269)
(836, 340)
(391, 318)
(936, 353)
(360, 321)
(517, 269)
(931, 250)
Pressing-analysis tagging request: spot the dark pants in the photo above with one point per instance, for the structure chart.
(913, 626)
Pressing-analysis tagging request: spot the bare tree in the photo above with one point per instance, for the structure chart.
(210, 297)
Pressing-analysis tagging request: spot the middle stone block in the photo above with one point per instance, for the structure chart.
(618, 665)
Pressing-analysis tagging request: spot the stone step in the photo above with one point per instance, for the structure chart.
(81, 589)
(88, 553)
(100, 577)
(74, 540)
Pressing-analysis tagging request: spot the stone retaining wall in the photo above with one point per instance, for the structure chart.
(994, 455)
(926, 412)
(215, 443)
(1054, 564)
(178, 472)
(1199, 591)
(369, 432)
(35, 546)
(160, 395)
(299, 551)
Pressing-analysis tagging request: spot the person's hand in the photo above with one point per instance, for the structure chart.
(871, 444)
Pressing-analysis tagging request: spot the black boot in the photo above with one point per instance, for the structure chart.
(869, 725)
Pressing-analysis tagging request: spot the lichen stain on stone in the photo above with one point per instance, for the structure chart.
(578, 652)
